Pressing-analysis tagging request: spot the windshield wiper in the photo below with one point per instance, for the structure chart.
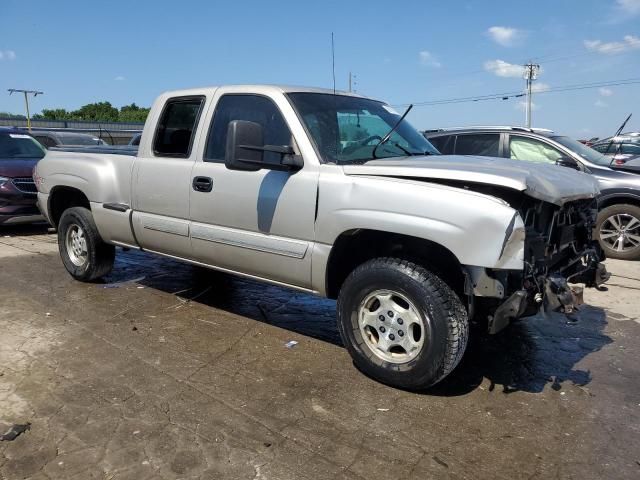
(386, 138)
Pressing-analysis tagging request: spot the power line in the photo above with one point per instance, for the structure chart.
(517, 94)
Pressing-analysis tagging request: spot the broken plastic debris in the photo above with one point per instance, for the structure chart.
(48, 314)
(382, 409)
(14, 432)
(291, 344)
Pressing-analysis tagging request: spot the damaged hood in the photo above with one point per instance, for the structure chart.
(549, 183)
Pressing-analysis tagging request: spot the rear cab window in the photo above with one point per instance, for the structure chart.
(177, 126)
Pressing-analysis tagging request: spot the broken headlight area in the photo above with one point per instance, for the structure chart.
(558, 251)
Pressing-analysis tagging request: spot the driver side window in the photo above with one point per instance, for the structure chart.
(253, 108)
(523, 148)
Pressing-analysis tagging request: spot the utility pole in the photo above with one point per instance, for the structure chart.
(35, 93)
(352, 82)
(530, 74)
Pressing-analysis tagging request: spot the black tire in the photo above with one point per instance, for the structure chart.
(444, 317)
(623, 210)
(99, 255)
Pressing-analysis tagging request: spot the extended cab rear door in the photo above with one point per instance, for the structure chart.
(259, 223)
(162, 176)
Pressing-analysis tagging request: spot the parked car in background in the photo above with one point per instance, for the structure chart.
(618, 225)
(620, 150)
(19, 153)
(337, 195)
(57, 138)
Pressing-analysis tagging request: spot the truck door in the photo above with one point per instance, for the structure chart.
(162, 179)
(259, 223)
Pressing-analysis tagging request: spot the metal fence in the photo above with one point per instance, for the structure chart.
(115, 133)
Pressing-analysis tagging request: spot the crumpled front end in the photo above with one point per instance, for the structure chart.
(558, 252)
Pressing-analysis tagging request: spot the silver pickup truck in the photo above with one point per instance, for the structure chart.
(336, 195)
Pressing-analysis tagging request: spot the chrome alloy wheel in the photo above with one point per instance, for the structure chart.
(621, 232)
(391, 326)
(76, 244)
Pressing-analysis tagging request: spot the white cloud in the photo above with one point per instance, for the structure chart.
(119, 78)
(605, 92)
(631, 7)
(629, 42)
(505, 36)
(7, 55)
(503, 69)
(428, 60)
(599, 103)
(539, 87)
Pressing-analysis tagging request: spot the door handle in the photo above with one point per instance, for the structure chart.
(202, 184)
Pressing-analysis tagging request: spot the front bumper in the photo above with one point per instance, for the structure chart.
(18, 206)
(556, 296)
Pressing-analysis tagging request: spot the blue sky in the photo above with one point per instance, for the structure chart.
(405, 51)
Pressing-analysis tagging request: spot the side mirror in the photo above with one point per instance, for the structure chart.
(568, 162)
(245, 149)
(242, 134)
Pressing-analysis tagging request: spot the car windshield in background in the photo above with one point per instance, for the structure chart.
(588, 153)
(347, 129)
(18, 145)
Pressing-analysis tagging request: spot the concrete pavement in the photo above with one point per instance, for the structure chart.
(166, 372)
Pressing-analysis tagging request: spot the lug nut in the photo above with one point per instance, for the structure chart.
(382, 329)
(392, 336)
(400, 321)
(401, 333)
(381, 318)
(390, 313)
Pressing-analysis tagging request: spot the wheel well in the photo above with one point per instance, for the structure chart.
(354, 247)
(62, 198)
(618, 201)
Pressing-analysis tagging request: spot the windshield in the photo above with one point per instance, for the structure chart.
(19, 145)
(347, 129)
(588, 153)
(81, 140)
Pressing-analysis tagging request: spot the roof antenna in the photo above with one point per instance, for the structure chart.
(333, 63)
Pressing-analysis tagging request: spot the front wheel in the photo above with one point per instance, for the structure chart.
(85, 256)
(618, 230)
(401, 323)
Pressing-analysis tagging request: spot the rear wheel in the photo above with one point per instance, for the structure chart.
(401, 324)
(85, 256)
(618, 230)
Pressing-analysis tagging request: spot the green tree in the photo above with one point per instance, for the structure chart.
(103, 111)
(133, 113)
(52, 114)
(12, 116)
(97, 112)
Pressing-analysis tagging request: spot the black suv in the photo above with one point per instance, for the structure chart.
(618, 225)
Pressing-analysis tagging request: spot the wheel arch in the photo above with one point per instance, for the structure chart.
(63, 197)
(354, 247)
(608, 200)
